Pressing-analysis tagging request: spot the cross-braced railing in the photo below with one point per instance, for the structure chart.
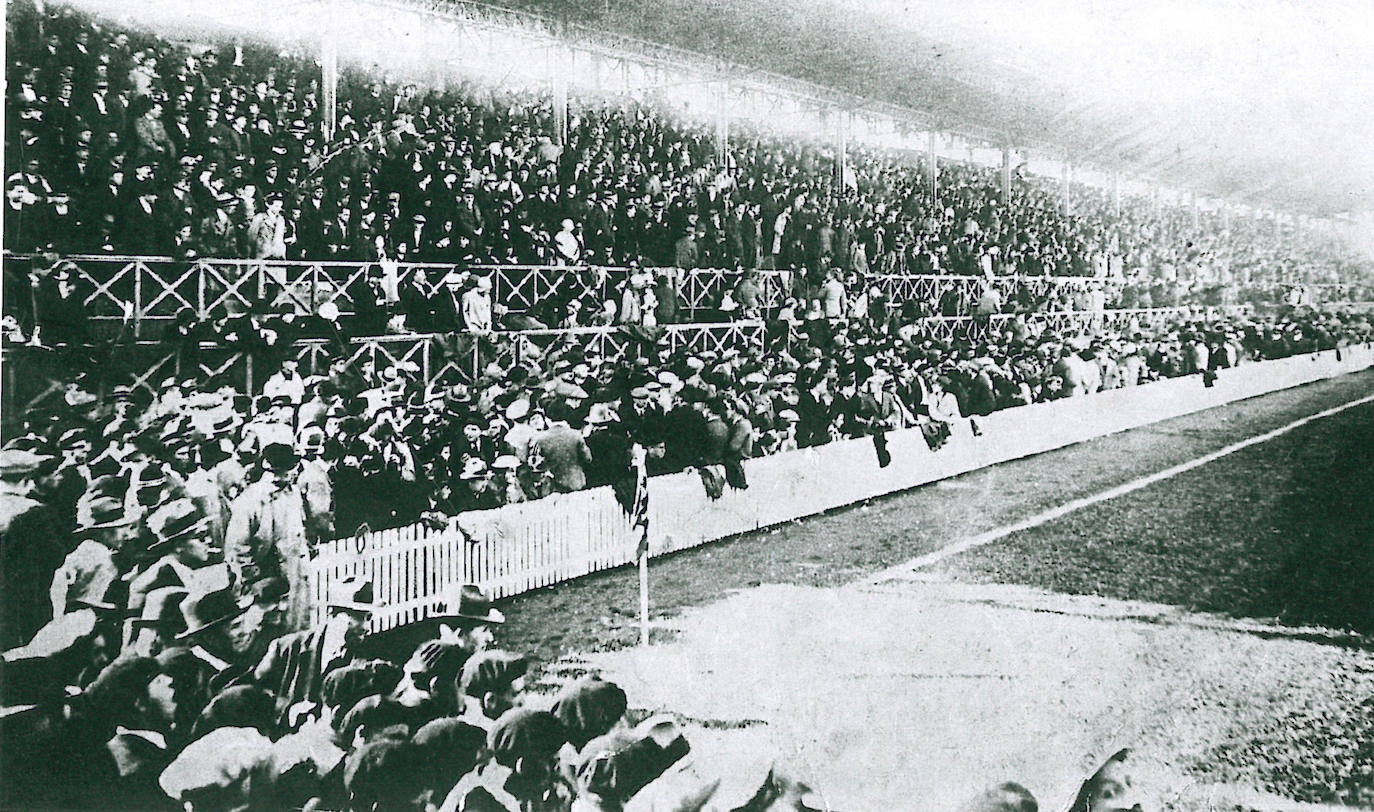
(152, 290)
(36, 377)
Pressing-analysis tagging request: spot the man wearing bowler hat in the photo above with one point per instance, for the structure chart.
(267, 533)
(295, 665)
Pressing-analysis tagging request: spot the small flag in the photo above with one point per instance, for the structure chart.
(639, 508)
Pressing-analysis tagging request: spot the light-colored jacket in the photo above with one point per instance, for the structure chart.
(267, 236)
(267, 537)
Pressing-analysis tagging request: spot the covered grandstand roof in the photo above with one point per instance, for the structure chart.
(1260, 101)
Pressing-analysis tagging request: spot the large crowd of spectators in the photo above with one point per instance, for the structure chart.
(157, 619)
(563, 416)
(157, 654)
(120, 141)
(161, 648)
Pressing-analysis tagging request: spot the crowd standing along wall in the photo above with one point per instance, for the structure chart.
(521, 547)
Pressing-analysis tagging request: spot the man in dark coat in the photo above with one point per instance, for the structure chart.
(61, 312)
(417, 304)
(448, 306)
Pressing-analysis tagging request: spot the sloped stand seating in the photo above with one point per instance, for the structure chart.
(520, 547)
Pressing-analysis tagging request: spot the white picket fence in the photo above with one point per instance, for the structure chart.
(518, 548)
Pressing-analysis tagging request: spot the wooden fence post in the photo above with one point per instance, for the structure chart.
(138, 300)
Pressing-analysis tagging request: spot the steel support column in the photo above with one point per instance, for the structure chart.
(558, 67)
(329, 70)
(841, 146)
(1067, 208)
(934, 168)
(1006, 176)
(723, 122)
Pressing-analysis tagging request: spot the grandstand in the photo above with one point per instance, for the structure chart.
(327, 322)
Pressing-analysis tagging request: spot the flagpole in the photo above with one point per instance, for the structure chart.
(639, 517)
(644, 596)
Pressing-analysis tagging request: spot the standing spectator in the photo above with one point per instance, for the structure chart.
(371, 306)
(61, 316)
(152, 144)
(686, 252)
(267, 536)
(833, 297)
(989, 302)
(565, 454)
(567, 245)
(267, 231)
(666, 298)
(448, 304)
(416, 303)
(749, 295)
(477, 307)
(286, 382)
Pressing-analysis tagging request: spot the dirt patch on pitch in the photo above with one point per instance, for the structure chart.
(931, 691)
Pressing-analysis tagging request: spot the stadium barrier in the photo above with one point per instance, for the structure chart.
(36, 377)
(153, 289)
(522, 547)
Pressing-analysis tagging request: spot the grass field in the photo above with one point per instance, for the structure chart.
(1283, 530)
(1222, 619)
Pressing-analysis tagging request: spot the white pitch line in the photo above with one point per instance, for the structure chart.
(1038, 519)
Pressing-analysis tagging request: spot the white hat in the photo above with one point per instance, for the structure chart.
(473, 468)
(518, 410)
(670, 381)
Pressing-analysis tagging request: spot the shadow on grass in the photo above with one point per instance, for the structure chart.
(1327, 577)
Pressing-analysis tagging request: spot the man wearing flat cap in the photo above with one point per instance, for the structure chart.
(492, 683)
(522, 773)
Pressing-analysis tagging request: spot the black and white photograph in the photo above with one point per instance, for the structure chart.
(687, 406)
